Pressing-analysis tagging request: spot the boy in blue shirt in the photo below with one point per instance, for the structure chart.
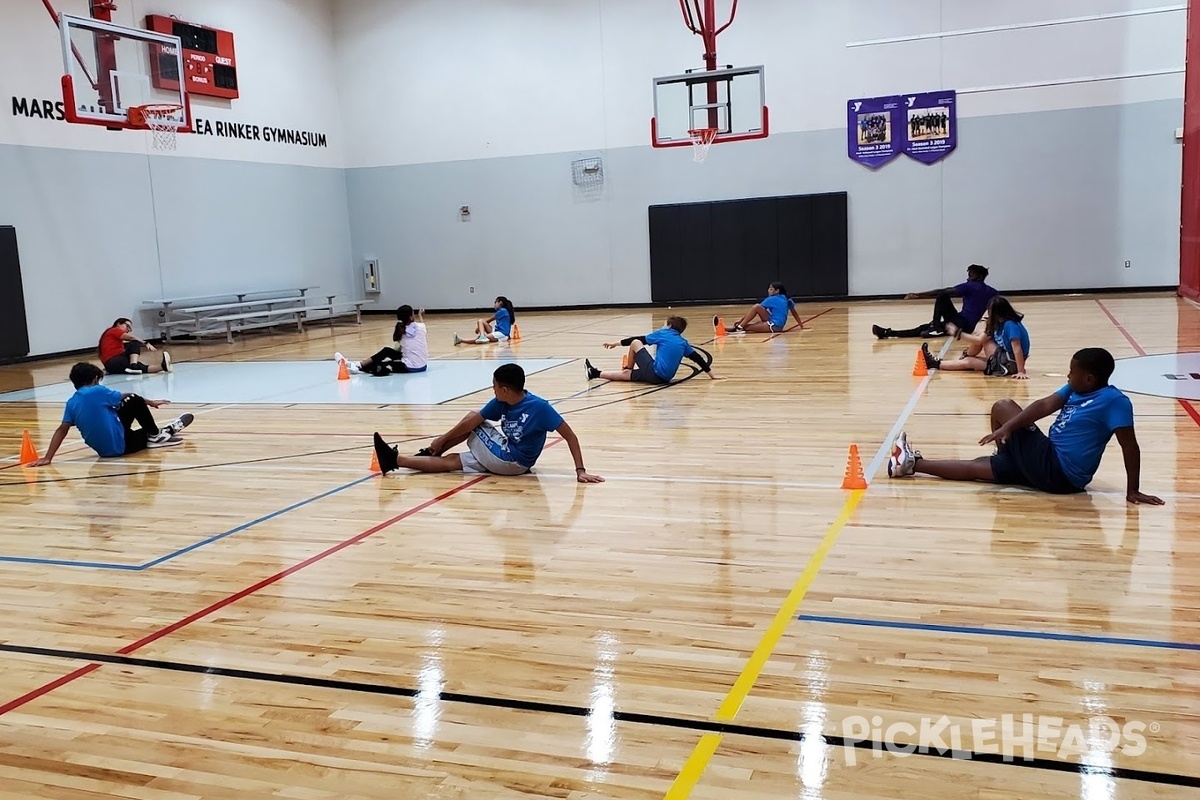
(975, 294)
(769, 316)
(105, 418)
(1090, 413)
(670, 350)
(510, 448)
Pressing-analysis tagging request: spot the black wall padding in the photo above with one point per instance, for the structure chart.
(731, 249)
(14, 332)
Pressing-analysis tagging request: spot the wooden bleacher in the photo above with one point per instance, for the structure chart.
(239, 312)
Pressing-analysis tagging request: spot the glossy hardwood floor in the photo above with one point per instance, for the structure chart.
(254, 615)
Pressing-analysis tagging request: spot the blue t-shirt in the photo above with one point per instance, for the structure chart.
(671, 347)
(1083, 429)
(503, 321)
(93, 409)
(777, 307)
(524, 425)
(975, 296)
(1012, 330)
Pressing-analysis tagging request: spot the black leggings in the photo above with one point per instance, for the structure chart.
(118, 364)
(944, 312)
(134, 409)
(386, 362)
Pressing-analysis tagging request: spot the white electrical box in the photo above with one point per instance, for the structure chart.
(371, 276)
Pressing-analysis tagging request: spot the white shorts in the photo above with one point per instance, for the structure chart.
(500, 337)
(488, 453)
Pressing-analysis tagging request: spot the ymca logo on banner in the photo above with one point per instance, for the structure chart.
(923, 125)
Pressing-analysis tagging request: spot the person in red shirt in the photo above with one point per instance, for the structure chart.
(121, 352)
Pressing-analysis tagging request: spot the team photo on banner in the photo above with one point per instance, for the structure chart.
(923, 126)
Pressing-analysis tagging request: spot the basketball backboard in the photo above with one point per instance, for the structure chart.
(107, 70)
(732, 100)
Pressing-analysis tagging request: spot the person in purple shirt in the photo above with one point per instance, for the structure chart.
(975, 294)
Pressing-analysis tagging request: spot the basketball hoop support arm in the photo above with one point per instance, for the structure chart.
(74, 49)
(708, 31)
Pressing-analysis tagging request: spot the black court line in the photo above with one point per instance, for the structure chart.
(562, 709)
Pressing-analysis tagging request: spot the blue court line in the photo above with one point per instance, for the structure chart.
(1058, 637)
(55, 562)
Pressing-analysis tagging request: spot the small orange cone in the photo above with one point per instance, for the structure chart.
(29, 454)
(375, 463)
(854, 471)
(720, 331)
(516, 332)
(343, 373)
(919, 368)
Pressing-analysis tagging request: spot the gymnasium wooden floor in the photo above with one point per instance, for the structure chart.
(692, 627)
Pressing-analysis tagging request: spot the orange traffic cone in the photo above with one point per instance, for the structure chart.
(919, 368)
(343, 373)
(516, 332)
(720, 328)
(375, 463)
(28, 453)
(854, 471)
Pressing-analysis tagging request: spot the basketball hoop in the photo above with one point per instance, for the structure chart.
(161, 119)
(702, 139)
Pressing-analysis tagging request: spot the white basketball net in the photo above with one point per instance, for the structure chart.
(163, 123)
(702, 139)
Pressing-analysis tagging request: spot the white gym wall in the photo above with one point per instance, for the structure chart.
(1053, 187)
(104, 222)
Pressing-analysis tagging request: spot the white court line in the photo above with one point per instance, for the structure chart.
(1191, 301)
(948, 487)
(882, 454)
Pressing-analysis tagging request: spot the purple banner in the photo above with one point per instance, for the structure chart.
(875, 130)
(930, 125)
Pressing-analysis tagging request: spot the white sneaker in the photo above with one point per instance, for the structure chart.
(457, 340)
(355, 367)
(338, 357)
(158, 441)
(482, 339)
(166, 361)
(178, 424)
(903, 461)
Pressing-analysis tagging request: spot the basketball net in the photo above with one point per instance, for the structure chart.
(161, 120)
(702, 139)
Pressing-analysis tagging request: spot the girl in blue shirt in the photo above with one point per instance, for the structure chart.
(769, 316)
(1004, 343)
(496, 328)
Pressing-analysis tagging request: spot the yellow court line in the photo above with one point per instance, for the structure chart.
(697, 762)
(694, 767)
(787, 612)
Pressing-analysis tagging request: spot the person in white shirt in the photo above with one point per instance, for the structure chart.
(409, 351)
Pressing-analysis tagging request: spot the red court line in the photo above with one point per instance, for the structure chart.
(233, 598)
(1188, 407)
(49, 687)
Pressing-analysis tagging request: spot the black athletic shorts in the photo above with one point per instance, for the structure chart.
(643, 370)
(1028, 459)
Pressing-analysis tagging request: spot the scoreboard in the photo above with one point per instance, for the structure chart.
(209, 63)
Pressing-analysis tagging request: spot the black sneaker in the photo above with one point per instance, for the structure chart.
(178, 424)
(166, 361)
(879, 332)
(387, 456)
(592, 372)
(424, 451)
(931, 361)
